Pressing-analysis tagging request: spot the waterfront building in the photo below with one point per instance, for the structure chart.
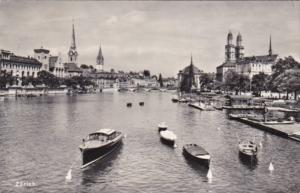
(99, 61)
(19, 66)
(185, 73)
(249, 66)
(42, 55)
(56, 66)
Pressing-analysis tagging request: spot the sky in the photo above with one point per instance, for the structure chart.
(157, 35)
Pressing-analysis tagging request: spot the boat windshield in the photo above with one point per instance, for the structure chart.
(97, 136)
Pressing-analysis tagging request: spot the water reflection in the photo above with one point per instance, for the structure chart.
(101, 167)
(250, 163)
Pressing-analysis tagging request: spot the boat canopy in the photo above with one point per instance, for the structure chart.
(106, 132)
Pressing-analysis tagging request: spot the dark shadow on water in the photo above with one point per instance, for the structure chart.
(101, 167)
(198, 167)
(250, 163)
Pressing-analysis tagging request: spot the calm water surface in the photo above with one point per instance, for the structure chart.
(39, 140)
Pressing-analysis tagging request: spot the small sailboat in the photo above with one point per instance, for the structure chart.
(162, 126)
(168, 137)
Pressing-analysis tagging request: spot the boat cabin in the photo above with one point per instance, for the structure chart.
(103, 135)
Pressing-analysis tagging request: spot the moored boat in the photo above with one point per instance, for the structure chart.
(248, 149)
(168, 137)
(197, 153)
(141, 103)
(175, 98)
(162, 126)
(98, 145)
(129, 104)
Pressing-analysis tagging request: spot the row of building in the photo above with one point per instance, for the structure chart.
(20, 66)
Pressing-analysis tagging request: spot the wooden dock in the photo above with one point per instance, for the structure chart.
(284, 130)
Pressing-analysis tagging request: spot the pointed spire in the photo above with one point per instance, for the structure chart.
(100, 58)
(270, 47)
(73, 44)
(192, 59)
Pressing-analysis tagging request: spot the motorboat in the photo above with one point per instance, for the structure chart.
(295, 136)
(248, 149)
(197, 153)
(168, 137)
(175, 98)
(162, 126)
(99, 144)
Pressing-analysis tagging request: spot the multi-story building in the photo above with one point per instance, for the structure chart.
(249, 66)
(56, 66)
(42, 55)
(19, 66)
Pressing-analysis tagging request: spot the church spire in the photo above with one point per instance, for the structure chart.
(192, 60)
(99, 60)
(73, 44)
(270, 47)
(72, 54)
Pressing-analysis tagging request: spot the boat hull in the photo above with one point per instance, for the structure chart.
(248, 156)
(92, 155)
(167, 141)
(204, 162)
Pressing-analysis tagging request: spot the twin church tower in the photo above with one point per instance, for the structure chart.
(234, 53)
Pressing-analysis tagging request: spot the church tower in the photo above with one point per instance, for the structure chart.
(100, 60)
(270, 47)
(239, 49)
(229, 49)
(72, 54)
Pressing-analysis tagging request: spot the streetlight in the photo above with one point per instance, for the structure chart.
(249, 71)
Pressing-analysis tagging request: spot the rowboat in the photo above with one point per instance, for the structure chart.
(197, 153)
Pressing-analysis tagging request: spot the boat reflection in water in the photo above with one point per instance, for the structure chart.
(99, 144)
(251, 164)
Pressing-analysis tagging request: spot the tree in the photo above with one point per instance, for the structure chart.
(259, 83)
(206, 81)
(160, 80)
(84, 66)
(236, 82)
(146, 73)
(278, 81)
(5, 78)
(48, 79)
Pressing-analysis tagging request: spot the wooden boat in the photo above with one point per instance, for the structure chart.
(129, 104)
(248, 149)
(162, 126)
(197, 153)
(168, 137)
(175, 98)
(98, 145)
(141, 103)
(279, 122)
(295, 136)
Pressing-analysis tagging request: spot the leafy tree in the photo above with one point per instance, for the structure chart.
(160, 80)
(146, 73)
(236, 82)
(258, 83)
(206, 81)
(84, 66)
(48, 79)
(5, 78)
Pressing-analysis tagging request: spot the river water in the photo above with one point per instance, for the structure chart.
(39, 140)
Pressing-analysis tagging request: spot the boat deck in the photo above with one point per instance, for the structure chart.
(195, 150)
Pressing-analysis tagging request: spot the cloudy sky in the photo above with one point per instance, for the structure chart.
(155, 35)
